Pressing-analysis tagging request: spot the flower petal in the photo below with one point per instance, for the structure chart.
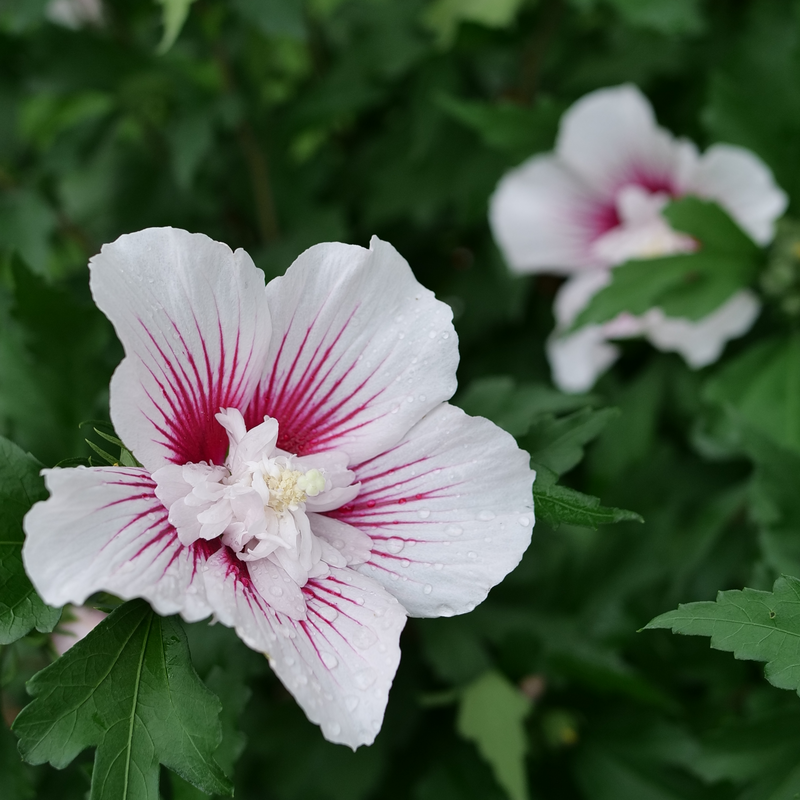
(545, 218)
(339, 662)
(701, 341)
(360, 351)
(194, 322)
(742, 184)
(578, 359)
(610, 138)
(103, 529)
(449, 510)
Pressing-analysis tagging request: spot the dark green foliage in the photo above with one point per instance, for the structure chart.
(129, 689)
(21, 609)
(276, 124)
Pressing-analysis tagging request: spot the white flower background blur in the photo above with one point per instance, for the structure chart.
(595, 203)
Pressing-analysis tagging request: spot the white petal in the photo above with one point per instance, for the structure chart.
(545, 218)
(701, 341)
(277, 588)
(743, 185)
(103, 529)
(194, 322)
(360, 351)
(449, 511)
(338, 663)
(610, 138)
(578, 359)
(352, 543)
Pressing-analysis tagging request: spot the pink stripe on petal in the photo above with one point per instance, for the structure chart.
(194, 321)
(339, 662)
(125, 545)
(355, 337)
(449, 511)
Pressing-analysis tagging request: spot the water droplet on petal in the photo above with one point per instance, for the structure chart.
(427, 588)
(405, 562)
(524, 521)
(371, 504)
(365, 678)
(453, 530)
(438, 565)
(486, 515)
(364, 638)
(472, 555)
(351, 702)
(432, 334)
(329, 660)
(276, 591)
(424, 513)
(394, 546)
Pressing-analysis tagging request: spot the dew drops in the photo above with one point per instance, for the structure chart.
(338, 544)
(422, 398)
(405, 562)
(395, 409)
(328, 613)
(410, 399)
(445, 336)
(329, 660)
(486, 515)
(402, 501)
(394, 546)
(276, 591)
(335, 729)
(359, 601)
(424, 513)
(524, 521)
(453, 530)
(395, 576)
(365, 678)
(432, 334)
(364, 638)
(445, 611)
(371, 504)
(427, 588)
(351, 702)
(472, 555)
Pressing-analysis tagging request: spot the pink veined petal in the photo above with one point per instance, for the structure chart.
(610, 138)
(339, 662)
(194, 322)
(701, 341)
(360, 351)
(103, 529)
(449, 511)
(545, 218)
(743, 185)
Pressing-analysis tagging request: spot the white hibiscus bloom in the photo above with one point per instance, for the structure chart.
(596, 202)
(303, 478)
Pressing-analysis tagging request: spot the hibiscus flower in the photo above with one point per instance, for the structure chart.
(302, 478)
(596, 202)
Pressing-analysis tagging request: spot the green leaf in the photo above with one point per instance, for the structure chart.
(21, 609)
(274, 17)
(174, 16)
(514, 407)
(664, 16)
(492, 714)
(763, 386)
(751, 624)
(444, 16)
(517, 130)
(559, 504)
(129, 689)
(558, 443)
(685, 285)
